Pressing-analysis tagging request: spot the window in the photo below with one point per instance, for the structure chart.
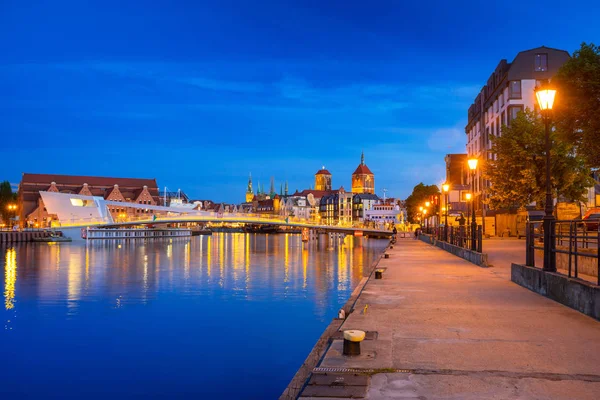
(541, 62)
(512, 112)
(515, 89)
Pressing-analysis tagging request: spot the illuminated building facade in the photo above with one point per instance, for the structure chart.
(127, 190)
(249, 191)
(323, 180)
(363, 180)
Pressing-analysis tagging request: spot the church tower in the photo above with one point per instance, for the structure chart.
(363, 180)
(323, 179)
(249, 191)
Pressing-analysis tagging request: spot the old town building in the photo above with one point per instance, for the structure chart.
(127, 190)
(363, 180)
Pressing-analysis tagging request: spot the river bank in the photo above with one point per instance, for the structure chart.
(441, 327)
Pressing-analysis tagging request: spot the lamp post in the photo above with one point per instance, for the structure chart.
(425, 218)
(12, 208)
(545, 98)
(446, 189)
(473, 167)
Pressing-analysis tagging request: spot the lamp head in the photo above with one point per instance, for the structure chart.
(427, 204)
(468, 196)
(472, 164)
(445, 187)
(545, 97)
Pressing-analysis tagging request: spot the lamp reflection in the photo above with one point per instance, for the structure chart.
(10, 278)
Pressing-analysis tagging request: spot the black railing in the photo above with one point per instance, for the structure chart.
(460, 236)
(574, 243)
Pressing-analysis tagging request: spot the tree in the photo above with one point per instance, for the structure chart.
(6, 197)
(577, 109)
(518, 175)
(420, 194)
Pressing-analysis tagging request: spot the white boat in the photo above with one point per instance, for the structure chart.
(134, 233)
(177, 202)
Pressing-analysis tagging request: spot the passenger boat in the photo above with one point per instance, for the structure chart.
(133, 233)
(54, 237)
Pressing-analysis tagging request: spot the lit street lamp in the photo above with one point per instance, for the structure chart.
(446, 189)
(545, 98)
(425, 217)
(473, 167)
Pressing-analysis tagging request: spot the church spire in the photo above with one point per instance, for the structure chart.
(286, 188)
(362, 158)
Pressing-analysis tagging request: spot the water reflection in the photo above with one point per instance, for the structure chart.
(10, 277)
(113, 301)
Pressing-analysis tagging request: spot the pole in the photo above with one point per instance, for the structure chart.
(548, 220)
(474, 221)
(446, 218)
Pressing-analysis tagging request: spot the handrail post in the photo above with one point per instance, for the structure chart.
(529, 251)
(571, 244)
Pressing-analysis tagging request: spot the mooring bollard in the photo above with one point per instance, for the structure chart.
(378, 273)
(352, 341)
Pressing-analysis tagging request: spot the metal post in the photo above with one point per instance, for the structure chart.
(474, 221)
(529, 252)
(598, 255)
(548, 220)
(446, 218)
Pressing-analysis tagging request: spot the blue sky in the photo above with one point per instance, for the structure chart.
(198, 94)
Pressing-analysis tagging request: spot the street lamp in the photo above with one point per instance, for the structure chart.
(425, 218)
(446, 189)
(545, 98)
(473, 167)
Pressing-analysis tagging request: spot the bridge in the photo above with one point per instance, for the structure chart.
(77, 211)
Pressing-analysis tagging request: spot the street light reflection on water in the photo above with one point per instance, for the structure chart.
(177, 318)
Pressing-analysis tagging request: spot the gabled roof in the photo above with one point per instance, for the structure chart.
(323, 172)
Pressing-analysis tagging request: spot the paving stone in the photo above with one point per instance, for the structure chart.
(339, 379)
(348, 392)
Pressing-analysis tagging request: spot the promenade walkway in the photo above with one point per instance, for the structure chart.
(447, 329)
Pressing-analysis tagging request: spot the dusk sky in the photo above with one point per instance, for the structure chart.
(199, 94)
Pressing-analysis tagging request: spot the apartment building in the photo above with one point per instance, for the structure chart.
(509, 90)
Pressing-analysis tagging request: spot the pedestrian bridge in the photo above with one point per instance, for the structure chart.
(85, 211)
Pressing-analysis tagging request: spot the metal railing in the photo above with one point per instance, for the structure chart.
(574, 243)
(460, 236)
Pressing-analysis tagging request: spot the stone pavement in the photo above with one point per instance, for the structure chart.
(447, 329)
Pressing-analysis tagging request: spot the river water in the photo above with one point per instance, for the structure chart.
(228, 316)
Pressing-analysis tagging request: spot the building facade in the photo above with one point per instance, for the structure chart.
(361, 203)
(509, 90)
(323, 180)
(336, 208)
(33, 213)
(363, 180)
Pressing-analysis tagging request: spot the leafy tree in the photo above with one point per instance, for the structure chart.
(420, 194)
(6, 197)
(518, 176)
(577, 109)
